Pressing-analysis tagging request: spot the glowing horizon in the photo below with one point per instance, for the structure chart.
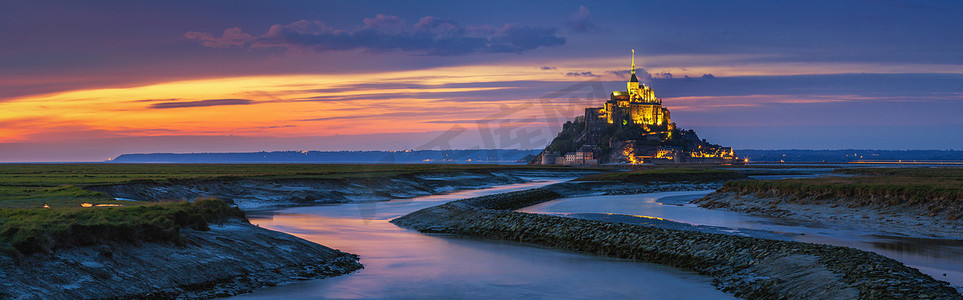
(307, 72)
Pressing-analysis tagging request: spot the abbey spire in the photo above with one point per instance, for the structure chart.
(632, 87)
(634, 79)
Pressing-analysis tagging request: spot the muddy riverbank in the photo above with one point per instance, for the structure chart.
(264, 193)
(901, 220)
(229, 259)
(744, 266)
(406, 264)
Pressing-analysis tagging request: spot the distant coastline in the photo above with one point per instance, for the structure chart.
(520, 156)
(473, 156)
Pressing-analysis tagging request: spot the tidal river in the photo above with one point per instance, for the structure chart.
(401, 263)
(941, 259)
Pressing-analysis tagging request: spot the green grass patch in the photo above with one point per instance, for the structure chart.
(936, 189)
(26, 231)
(61, 185)
(667, 175)
(65, 196)
(98, 174)
(27, 227)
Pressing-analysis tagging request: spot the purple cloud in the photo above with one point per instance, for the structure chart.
(580, 22)
(430, 36)
(578, 74)
(232, 37)
(662, 75)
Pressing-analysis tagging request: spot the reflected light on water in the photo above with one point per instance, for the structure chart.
(941, 259)
(401, 263)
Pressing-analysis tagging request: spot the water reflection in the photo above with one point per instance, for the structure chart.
(942, 259)
(403, 264)
(936, 248)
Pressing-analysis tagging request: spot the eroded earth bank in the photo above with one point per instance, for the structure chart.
(747, 267)
(225, 258)
(249, 193)
(906, 220)
(230, 258)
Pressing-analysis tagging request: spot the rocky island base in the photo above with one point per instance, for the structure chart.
(744, 266)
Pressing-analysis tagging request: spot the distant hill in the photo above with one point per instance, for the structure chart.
(511, 156)
(851, 155)
(483, 156)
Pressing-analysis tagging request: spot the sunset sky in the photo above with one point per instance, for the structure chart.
(90, 80)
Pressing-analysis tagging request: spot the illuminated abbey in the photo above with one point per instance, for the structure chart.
(632, 127)
(636, 105)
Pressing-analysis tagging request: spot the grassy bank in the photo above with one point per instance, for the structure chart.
(667, 175)
(46, 206)
(27, 231)
(92, 174)
(61, 185)
(935, 189)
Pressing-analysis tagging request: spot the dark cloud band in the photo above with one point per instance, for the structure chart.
(202, 103)
(430, 36)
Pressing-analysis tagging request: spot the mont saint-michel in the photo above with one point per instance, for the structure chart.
(632, 127)
(383, 149)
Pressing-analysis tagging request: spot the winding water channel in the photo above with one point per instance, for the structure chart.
(401, 263)
(941, 259)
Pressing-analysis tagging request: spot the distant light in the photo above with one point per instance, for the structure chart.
(92, 205)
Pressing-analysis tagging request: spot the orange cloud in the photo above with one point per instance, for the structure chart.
(281, 106)
(332, 104)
